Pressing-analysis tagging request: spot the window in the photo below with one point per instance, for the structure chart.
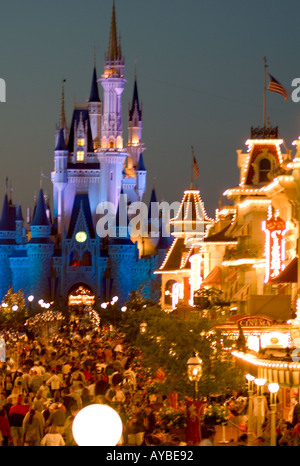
(80, 142)
(264, 170)
(80, 156)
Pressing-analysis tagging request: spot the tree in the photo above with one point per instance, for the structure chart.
(13, 308)
(168, 343)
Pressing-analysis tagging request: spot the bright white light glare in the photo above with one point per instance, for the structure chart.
(97, 425)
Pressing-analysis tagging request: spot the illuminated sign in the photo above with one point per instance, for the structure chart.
(275, 229)
(275, 340)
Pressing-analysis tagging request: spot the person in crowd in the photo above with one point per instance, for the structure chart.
(16, 416)
(36, 381)
(287, 437)
(137, 428)
(208, 436)
(296, 412)
(8, 385)
(67, 430)
(54, 382)
(33, 428)
(5, 428)
(53, 438)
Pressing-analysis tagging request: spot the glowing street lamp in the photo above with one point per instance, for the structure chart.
(30, 299)
(250, 379)
(97, 425)
(194, 370)
(259, 383)
(273, 389)
(143, 328)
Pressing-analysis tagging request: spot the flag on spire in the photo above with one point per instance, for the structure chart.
(275, 86)
(195, 166)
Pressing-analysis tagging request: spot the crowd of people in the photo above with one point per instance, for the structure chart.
(46, 381)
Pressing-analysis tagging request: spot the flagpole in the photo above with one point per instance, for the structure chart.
(192, 168)
(265, 92)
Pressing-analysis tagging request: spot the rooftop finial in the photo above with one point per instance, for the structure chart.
(62, 120)
(113, 41)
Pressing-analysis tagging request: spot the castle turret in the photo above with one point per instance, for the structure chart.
(7, 244)
(135, 126)
(141, 178)
(94, 106)
(20, 231)
(60, 178)
(40, 250)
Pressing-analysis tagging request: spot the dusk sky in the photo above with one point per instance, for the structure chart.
(200, 74)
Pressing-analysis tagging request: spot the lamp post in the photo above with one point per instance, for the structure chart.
(30, 299)
(259, 383)
(194, 370)
(143, 328)
(250, 379)
(273, 389)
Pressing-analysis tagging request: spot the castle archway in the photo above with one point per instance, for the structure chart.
(81, 294)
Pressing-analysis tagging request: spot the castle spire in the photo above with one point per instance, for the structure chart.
(5, 224)
(40, 216)
(113, 46)
(62, 119)
(94, 94)
(135, 105)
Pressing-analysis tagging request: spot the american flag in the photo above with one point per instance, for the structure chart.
(275, 86)
(196, 169)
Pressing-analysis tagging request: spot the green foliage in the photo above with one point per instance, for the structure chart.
(173, 418)
(216, 414)
(168, 343)
(9, 302)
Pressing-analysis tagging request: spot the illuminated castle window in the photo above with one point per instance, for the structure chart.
(80, 156)
(264, 170)
(80, 142)
(80, 261)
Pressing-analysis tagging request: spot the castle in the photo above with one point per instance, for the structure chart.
(60, 255)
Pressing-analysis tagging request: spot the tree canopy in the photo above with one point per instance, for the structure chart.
(169, 340)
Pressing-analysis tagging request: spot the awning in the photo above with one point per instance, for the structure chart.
(242, 294)
(213, 278)
(289, 274)
(232, 276)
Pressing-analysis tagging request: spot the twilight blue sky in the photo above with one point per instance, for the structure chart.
(200, 79)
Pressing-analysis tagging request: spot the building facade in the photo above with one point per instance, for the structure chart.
(249, 250)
